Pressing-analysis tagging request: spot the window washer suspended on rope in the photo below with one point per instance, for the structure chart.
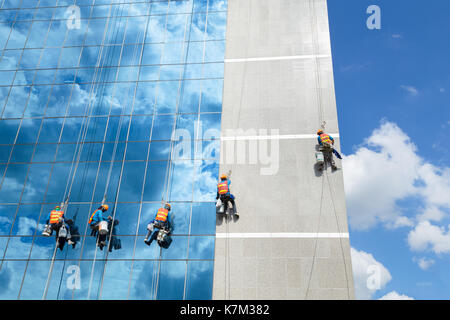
(225, 196)
(326, 143)
(56, 222)
(99, 224)
(161, 223)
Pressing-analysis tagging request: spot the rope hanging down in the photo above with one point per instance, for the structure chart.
(241, 100)
(170, 164)
(111, 165)
(114, 32)
(148, 153)
(322, 124)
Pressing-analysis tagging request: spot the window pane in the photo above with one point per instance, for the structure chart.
(143, 281)
(7, 214)
(199, 280)
(116, 280)
(203, 218)
(26, 222)
(12, 273)
(171, 280)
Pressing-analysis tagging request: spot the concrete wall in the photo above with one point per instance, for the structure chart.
(291, 241)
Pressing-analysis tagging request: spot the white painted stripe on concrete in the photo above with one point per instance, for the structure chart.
(281, 235)
(276, 137)
(306, 56)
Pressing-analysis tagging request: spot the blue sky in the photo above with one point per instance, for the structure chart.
(396, 81)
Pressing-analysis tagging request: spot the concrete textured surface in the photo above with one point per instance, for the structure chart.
(279, 75)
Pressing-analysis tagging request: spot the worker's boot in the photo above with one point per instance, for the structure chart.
(150, 228)
(47, 231)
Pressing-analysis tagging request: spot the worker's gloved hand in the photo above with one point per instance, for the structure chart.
(110, 218)
(150, 227)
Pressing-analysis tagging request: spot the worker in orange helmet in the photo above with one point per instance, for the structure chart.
(56, 222)
(223, 192)
(95, 220)
(161, 221)
(326, 143)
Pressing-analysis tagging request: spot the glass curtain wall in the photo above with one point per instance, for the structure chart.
(114, 100)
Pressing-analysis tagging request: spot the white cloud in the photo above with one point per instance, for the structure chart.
(400, 222)
(26, 226)
(393, 295)
(369, 274)
(387, 169)
(426, 236)
(410, 89)
(4, 220)
(397, 36)
(376, 178)
(442, 90)
(424, 263)
(436, 185)
(432, 213)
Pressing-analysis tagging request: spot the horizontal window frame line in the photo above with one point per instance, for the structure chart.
(116, 235)
(98, 259)
(113, 4)
(108, 116)
(116, 16)
(105, 82)
(101, 142)
(121, 66)
(95, 5)
(99, 202)
(284, 235)
(115, 161)
(113, 44)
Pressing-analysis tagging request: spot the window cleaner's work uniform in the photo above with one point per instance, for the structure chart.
(326, 142)
(223, 192)
(94, 221)
(55, 219)
(161, 221)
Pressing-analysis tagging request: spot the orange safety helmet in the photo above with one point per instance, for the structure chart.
(105, 206)
(320, 131)
(223, 177)
(57, 208)
(168, 206)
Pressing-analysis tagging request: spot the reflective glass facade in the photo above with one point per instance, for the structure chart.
(93, 95)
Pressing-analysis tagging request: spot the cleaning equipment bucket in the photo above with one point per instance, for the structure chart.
(62, 232)
(319, 158)
(103, 228)
(219, 207)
